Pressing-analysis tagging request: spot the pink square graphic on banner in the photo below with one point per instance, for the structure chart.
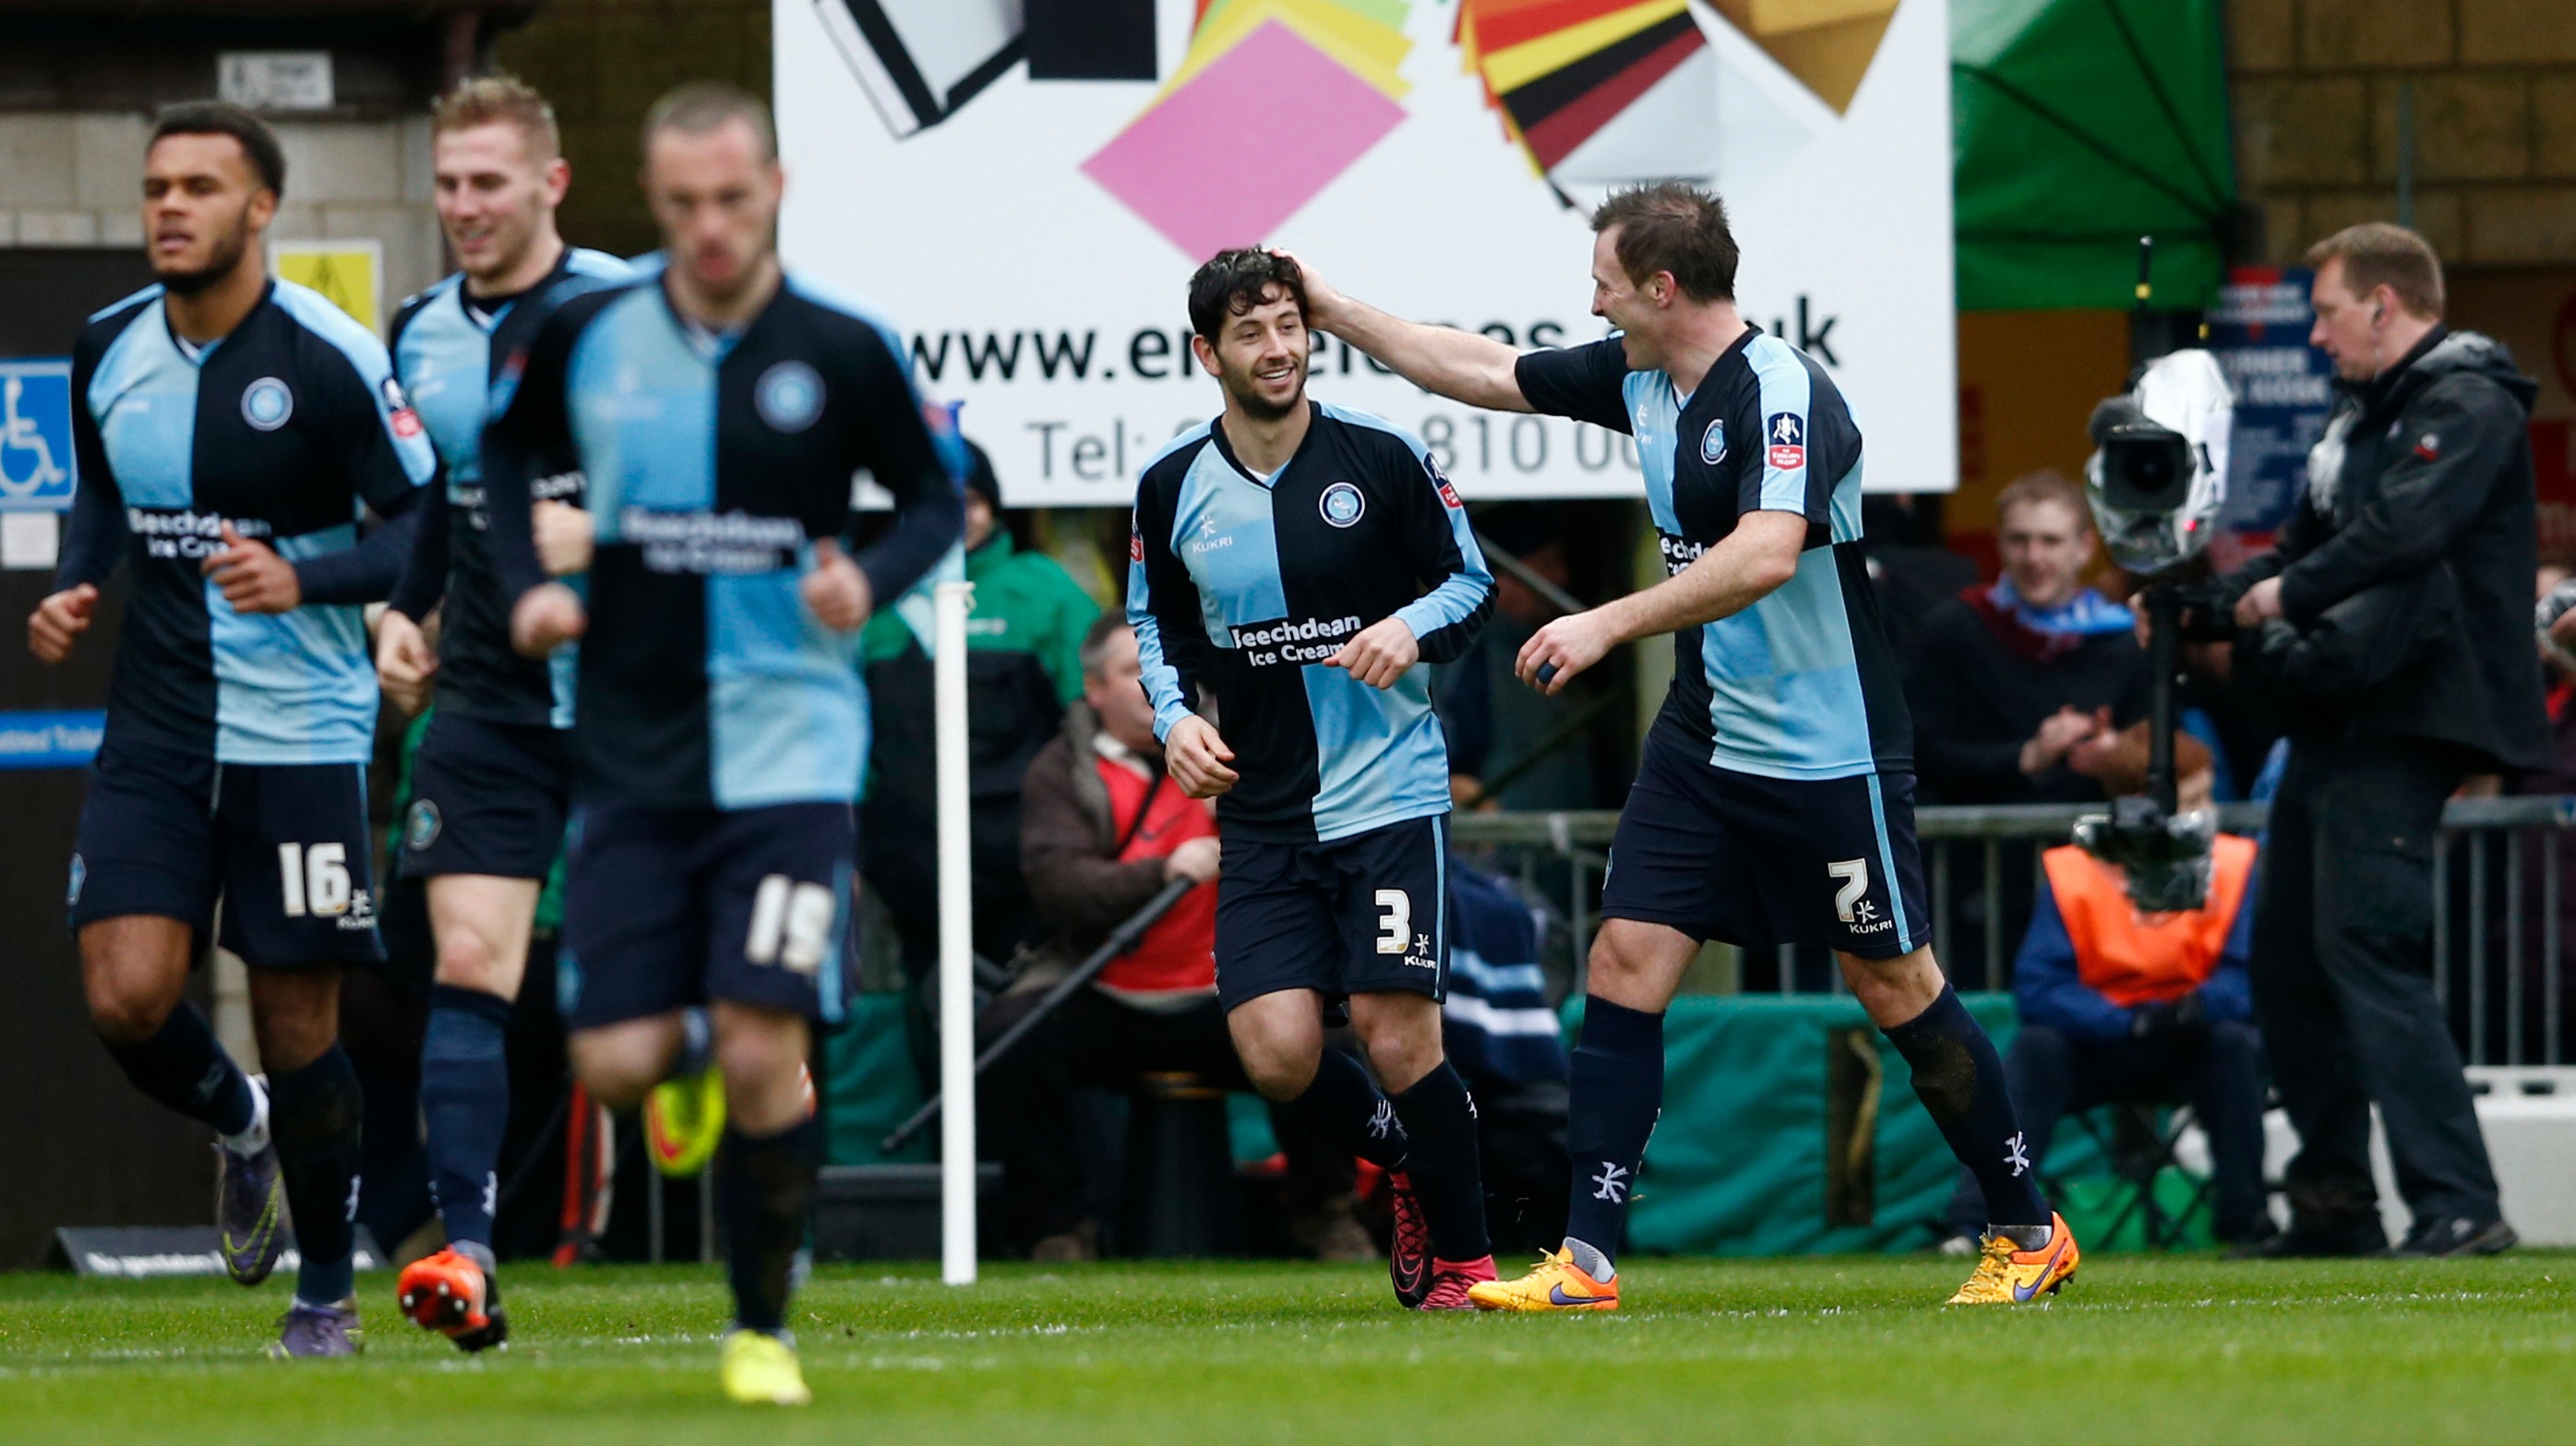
(1227, 158)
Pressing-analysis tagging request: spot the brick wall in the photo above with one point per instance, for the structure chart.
(603, 62)
(2316, 86)
(75, 178)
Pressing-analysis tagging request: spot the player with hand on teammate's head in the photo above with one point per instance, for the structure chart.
(1301, 562)
(1774, 804)
(229, 427)
(718, 412)
(490, 783)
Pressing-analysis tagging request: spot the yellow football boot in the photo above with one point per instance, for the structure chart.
(1556, 1283)
(761, 1370)
(2009, 1275)
(684, 1121)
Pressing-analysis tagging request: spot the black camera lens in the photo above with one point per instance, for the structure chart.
(2146, 469)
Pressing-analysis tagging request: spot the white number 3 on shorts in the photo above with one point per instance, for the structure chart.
(1395, 922)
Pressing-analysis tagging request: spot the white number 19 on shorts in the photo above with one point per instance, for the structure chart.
(791, 924)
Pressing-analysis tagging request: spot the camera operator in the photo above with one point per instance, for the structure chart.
(2419, 498)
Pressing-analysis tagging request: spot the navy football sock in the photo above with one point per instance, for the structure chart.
(1440, 1117)
(314, 1115)
(1342, 1105)
(183, 1067)
(1960, 1080)
(765, 1199)
(465, 1106)
(1618, 1091)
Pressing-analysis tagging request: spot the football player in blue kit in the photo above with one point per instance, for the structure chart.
(1301, 562)
(490, 783)
(1774, 802)
(718, 412)
(231, 431)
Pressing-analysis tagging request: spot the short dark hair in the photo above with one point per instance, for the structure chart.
(223, 118)
(705, 105)
(1677, 227)
(1234, 282)
(1095, 640)
(2381, 253)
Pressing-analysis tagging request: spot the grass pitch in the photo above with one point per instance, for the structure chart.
(2159, 1350)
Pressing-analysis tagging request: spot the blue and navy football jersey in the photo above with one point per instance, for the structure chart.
(714, 463)
(1245, 586)
(288, 428)
(1799, 685)
(447, 349)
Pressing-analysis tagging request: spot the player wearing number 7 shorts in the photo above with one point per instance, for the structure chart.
(230, 428)
(718, 413)
(1774, 803)
(1301, 563)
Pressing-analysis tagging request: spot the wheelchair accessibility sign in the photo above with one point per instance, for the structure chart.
(36, 466)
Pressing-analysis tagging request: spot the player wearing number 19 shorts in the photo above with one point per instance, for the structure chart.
(231, 429)
(718, 412)
(1774, 804)
(1300, 563)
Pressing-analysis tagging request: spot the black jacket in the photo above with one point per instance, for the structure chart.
(1979, 687)
(2428, 464)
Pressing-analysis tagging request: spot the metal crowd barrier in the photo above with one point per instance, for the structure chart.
(2500, 961)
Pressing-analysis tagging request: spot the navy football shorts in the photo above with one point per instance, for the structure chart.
(283, 846)
(1366, 914)
(665, 908)
(486, 798)
(1757, 861)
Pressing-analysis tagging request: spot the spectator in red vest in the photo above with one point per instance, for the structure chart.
(2119, 1007)
(1102, 831)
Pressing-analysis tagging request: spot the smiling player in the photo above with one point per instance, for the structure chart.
(1774, 803)
(1301, 562)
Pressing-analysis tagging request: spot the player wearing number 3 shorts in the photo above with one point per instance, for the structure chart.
(1301, 563)
(1774, 803)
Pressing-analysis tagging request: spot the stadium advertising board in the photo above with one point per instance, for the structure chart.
(1025, 185)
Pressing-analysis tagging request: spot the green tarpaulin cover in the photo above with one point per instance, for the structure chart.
(2079, 126)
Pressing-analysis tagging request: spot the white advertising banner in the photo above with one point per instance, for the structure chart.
(1024, 187)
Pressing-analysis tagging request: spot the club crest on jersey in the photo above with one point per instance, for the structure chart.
(266, 404)
(1342, 504)
(1786, 435)
(420, 825)
(1712, 443)
(406, 422)
(789, 396)
(1440, 479)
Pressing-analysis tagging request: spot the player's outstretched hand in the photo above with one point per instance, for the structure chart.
(404, 661)
(59, 621)
(1380, 654)
(254, 579)
(1197, 758)
(563, 537)
(1323, 303)
(1563, 648)
(834, 589)
(548, 616)
(1195, 861)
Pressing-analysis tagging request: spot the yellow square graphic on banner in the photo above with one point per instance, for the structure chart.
(349, 273)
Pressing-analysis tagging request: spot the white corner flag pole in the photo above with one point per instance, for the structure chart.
(951, 601)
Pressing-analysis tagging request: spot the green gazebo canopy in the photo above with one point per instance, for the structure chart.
(2079, 126)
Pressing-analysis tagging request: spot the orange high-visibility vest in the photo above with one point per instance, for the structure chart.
(2131, 958)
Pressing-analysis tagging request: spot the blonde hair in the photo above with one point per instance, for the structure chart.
(499, 99)
(2046, 485)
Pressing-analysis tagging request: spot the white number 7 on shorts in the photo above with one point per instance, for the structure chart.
(1855, 876)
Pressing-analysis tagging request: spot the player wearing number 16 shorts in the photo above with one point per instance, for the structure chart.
(1301, 563)
(230, 428)
(1774, 804)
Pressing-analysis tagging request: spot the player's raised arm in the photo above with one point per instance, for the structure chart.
(1463, 366)
(389, 462)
